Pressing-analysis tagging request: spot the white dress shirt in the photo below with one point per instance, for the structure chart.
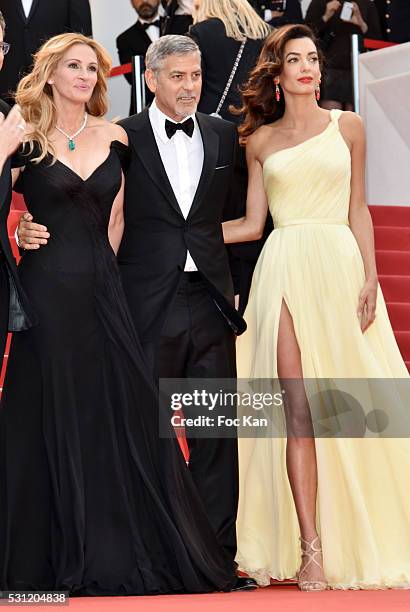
(153, 31)
(27, 4)
(183, 159)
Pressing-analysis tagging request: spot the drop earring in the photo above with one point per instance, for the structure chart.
(277, 92)
(317, 92)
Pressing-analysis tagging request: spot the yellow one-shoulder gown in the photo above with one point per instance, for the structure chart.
(312, 262)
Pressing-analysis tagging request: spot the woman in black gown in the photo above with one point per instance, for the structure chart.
(91, 500)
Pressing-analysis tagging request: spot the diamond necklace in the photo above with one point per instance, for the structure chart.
(71, 143)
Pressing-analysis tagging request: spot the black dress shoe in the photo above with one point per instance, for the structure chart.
(243, 584)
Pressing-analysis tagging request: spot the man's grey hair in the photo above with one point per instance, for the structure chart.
(171, 44)
(2, 23)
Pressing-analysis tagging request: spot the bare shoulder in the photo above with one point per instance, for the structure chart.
(112, 131)
(256, 142)
(351, 127)
(118, 133)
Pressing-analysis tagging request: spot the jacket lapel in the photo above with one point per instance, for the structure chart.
(20, 11)
(210, 141)
(143, 141)
(32, 10)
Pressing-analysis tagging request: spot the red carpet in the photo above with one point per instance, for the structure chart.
(273, 599)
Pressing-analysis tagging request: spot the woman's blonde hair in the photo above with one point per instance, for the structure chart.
(241, 21)
(35, 95)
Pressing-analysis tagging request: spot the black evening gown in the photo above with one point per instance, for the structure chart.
(91, 499)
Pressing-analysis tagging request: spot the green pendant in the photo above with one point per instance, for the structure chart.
(71, 145)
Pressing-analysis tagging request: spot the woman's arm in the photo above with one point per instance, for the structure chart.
(251, 226)
(359, 216)
(116, 224)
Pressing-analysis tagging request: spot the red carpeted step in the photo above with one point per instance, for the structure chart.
(392, 238)
(394, 216)
(403, 340)
(399, 314)
(393, 262)
(395, 288)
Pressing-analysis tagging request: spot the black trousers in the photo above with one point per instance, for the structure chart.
(4, 307)
(196, 342)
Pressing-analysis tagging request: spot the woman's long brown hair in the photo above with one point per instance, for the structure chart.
(259, 105)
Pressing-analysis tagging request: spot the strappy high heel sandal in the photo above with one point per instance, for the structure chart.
(310, 550)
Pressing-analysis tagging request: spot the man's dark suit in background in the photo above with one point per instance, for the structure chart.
(25, 35)
(394, 19)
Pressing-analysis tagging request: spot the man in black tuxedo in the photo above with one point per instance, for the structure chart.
(15, 312)
(32, 22)
(173, 259)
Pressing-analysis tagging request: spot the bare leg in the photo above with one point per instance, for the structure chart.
(300, 448)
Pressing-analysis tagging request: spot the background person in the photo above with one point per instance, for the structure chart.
(394, 18)
(15, 312)
(279, 13)
(32, 22)
(324, 16)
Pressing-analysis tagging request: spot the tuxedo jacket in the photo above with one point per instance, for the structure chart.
(20, 315)
(157, 236)
(46, 19)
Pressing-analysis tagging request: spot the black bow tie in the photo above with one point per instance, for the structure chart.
(187, 126)
(156, 23)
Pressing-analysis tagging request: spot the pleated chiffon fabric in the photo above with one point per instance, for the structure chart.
(312, 262)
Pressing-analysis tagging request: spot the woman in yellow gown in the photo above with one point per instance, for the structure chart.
(312, 315)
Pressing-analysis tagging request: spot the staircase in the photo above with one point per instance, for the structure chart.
(392, 236)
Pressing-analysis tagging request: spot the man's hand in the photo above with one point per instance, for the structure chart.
(357, 18)
(331, 8)
(31, 235)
